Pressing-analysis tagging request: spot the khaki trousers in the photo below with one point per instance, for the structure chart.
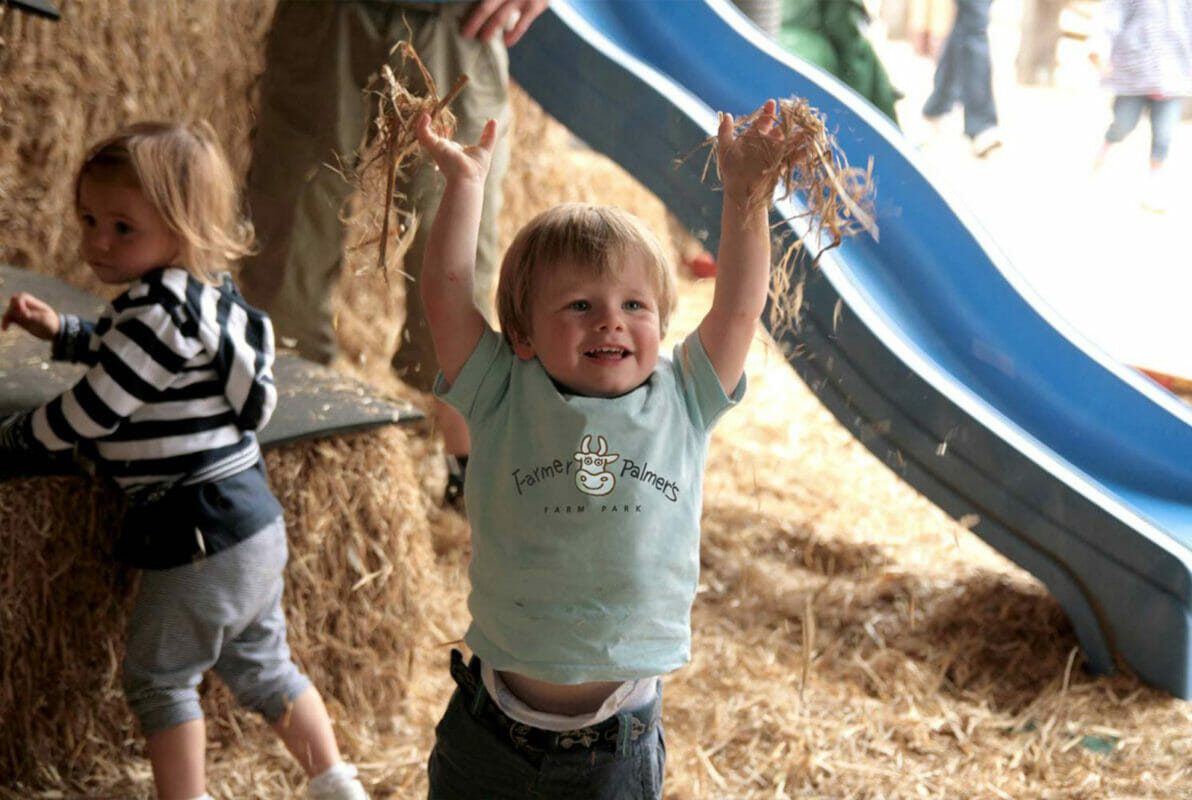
(314, 115)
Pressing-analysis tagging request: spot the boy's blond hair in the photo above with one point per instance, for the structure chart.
(580, 235)
(183, 173)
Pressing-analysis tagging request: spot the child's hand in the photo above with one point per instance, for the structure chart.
(455, 161)
(748, 159)
(31, 314)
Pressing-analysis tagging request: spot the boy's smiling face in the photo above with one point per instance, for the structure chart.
(597, 335)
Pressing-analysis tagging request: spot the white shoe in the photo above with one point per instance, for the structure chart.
(986, 141)
(337, 783)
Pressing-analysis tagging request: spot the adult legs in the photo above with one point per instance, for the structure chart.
(976, 73)
(446, 56)
(1039, 37)
(318, 57)
(945, 90)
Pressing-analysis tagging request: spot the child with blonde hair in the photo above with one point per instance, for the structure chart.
(179, 381)
(585, 479)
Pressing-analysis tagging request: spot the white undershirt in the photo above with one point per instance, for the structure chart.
(629, 696)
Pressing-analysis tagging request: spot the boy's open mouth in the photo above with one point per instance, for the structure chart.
(601, 353)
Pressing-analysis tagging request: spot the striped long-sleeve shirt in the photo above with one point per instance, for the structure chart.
(180, 378)
(179, 381)
(1149, 46)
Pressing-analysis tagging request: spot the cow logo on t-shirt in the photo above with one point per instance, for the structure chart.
(592, 478)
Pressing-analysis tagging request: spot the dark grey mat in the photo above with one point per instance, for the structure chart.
(313, 401)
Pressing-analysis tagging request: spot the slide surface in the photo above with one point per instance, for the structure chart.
(927, 345)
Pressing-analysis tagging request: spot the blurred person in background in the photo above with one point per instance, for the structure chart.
(832, 35)
(1035, 62)
(1144, 51)
(964, 74)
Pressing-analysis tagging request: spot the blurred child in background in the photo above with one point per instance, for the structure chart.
(1144, 51)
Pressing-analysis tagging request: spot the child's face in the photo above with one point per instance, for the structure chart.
(596, 335)
(123, 234)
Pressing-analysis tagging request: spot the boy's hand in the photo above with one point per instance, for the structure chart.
(748, 159)
(457, 162)
(35, 316)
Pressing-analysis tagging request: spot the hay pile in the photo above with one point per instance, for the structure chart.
(65, 85)
(936, 668)
(357, 582)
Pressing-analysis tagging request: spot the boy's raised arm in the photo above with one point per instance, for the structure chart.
(449, 264)
(743, 264)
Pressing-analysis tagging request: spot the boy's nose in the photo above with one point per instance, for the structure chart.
(610, 320)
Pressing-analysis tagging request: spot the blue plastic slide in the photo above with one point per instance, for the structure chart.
(926, 346)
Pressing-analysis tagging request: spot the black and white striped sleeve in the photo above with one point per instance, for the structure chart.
(138, 356)
(248, 350)
(76, 340)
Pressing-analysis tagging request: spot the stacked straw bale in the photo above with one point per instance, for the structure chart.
(359, 574)
(65, 85)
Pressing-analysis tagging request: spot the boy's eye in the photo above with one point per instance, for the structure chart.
(579, 305)
(87, 220)
(634, 305)
(123, 228)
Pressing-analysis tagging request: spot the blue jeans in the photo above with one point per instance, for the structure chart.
(964, 72)
(1165, 115)
(480, 754)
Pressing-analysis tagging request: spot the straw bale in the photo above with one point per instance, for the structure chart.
(65, 85)
(358, 576)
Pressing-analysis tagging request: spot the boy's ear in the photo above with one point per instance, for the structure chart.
(523, 348)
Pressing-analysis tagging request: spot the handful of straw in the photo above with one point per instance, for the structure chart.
(394, 148)
(838, 198)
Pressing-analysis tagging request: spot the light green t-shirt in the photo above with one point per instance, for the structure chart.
(585, 514)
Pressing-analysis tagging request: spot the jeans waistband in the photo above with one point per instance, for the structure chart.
(614, 735)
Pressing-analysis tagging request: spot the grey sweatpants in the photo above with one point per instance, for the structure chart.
(222, 613)
(314, 115)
